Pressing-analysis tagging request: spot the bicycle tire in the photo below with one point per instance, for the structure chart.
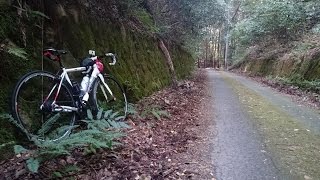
(119, 104)
(27, 98)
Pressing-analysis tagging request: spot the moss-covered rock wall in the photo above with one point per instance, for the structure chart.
(288, 63)
(77, 27)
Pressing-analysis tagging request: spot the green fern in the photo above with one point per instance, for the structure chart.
(131, 109)
(107, 114)
(19, 149)
(64, 171)
(156, 112)
(33, 164)
(14, 122)
(99, 114)
(38, 13)
(19, 52)
(100, 134)
(48, 124)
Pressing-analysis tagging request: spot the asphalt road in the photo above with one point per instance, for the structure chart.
(240, 151)
(309, 117)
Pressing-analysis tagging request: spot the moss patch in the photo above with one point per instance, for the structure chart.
(285, 63)
(296, 149)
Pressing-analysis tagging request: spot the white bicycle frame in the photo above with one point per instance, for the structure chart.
(64, 75)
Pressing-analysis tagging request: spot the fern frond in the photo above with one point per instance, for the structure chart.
(113, 115)
(100, 133)
(107, 114)
(155, 113)
(99, 114)
(48, 124)
(131, 109)
(15, 122)
(38, 13)
(19, 52)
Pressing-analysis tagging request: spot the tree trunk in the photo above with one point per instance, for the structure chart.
(219, 48)
(214, 51)
(21, 9)
(169, 63)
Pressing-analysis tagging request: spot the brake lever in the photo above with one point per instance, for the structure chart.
(114, 60)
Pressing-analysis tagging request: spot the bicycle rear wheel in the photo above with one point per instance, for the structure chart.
(28, 96)
(102, 99)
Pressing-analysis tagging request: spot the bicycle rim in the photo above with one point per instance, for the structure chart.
(103, 99)
(29, 95)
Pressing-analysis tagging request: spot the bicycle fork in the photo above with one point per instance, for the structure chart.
(107, 87)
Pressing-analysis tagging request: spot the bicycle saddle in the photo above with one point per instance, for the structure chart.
(53, 54)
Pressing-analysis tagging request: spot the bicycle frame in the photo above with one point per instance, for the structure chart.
(64, 75)
(47, 105)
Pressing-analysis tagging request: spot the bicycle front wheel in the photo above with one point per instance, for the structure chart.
(109, 96)
(42, 123)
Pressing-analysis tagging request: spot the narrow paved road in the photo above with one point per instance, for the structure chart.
(246, 148)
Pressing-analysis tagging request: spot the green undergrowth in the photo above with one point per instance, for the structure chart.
(101, 132)
(155, 111)
(294, 147)
(298, 81)
(8, 138)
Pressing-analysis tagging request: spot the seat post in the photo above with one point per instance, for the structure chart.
(60, 62)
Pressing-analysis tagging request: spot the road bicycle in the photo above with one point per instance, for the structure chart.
(47, 105)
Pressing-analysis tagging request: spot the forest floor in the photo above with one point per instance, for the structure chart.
(171, 145)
